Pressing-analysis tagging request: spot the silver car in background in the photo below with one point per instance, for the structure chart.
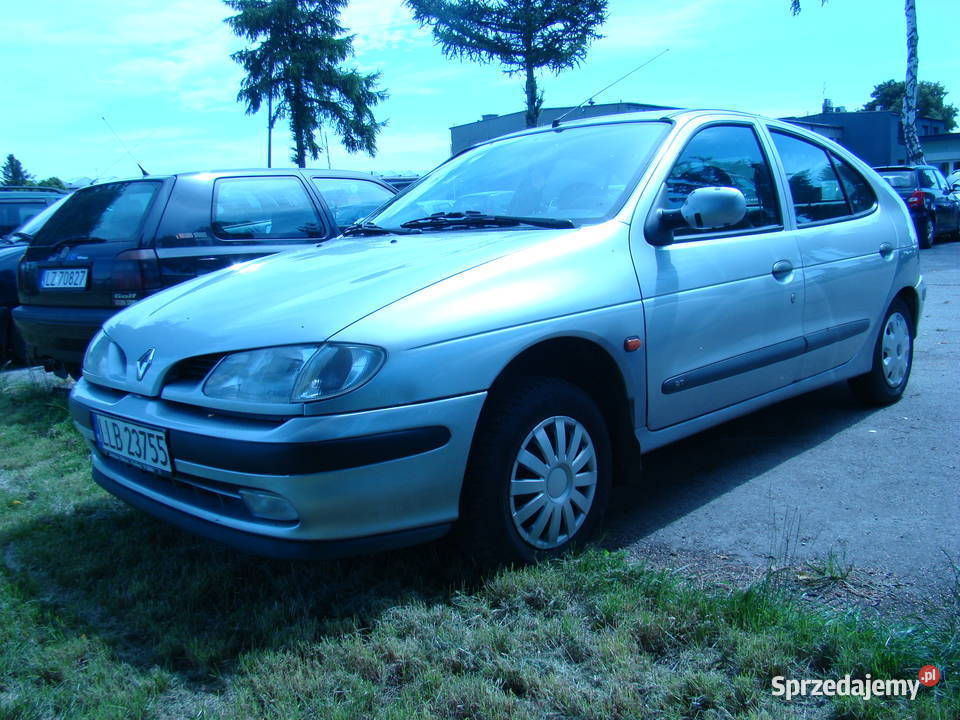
(498, 344)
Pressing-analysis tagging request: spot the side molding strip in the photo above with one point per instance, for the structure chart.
(756, 359)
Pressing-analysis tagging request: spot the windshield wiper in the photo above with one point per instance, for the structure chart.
(76, 240)
(373, 229)
(472, 218)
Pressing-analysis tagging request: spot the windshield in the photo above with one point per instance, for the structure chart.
(583, 174)
(31, 226)
(113, 211)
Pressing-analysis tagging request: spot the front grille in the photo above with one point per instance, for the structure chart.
(193, 369)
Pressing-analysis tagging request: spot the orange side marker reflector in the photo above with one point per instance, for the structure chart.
(631, 344)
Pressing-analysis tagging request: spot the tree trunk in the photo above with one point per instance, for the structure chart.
(534, 99)
(270, 129)
(909, 111)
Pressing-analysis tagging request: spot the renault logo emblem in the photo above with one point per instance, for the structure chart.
(143, 364)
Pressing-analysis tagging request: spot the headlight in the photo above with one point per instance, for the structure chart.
(104, 358)
(293, 373)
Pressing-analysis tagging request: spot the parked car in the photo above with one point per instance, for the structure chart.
(500, 370)
(115, 243)
(12, 247)
(934, 204)
(19, 203)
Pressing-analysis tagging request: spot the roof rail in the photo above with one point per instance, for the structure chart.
(37, 188)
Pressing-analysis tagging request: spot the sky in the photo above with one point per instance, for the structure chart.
(90, 85)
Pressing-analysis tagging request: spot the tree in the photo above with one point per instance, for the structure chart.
(52, 182)
(908, 112)
(13, 172)
(296, 66)
(524, 36)
(931, 100)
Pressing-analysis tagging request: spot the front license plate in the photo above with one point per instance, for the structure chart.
(143, 446)
(65, 278)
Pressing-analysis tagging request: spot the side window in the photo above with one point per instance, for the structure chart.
(814, 185)
(263, 208)
(726, 156)
(351, 200)
(927, 179)
(859, 193)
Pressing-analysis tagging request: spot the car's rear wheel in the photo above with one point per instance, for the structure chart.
(926, 232)
(892, 359)
(538, 479)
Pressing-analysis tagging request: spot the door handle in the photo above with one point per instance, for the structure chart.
(886, 250)
(782, 269)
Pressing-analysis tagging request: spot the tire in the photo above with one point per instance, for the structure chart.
(892, 359)
(517, 449)
(926, 232)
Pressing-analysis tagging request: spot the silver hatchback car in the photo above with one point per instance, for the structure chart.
(494, 347)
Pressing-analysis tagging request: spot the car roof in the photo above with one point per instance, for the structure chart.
(26, 192)
(676, 115)
(904, 167)
(249, 172)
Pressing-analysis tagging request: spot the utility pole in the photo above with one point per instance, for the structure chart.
(326, 144)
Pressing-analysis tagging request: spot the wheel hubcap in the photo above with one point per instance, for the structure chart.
(895, 350)
(553, 482)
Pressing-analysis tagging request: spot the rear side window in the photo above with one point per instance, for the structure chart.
(351, 200)
(264, 208)
(725, 156)
(110, 212)
(815, 186)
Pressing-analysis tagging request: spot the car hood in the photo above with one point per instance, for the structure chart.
(302, 296)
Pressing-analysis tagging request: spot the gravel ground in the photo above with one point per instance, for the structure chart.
(818, 485)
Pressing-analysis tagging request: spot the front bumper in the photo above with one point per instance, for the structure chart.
(358, 481)
(59, 333)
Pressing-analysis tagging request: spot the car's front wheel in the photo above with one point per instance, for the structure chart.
(538, 480)
(892, 359)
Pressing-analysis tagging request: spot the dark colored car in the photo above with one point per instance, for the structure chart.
(12, 247)
(933, 203)
(112, 244)
(19, 203)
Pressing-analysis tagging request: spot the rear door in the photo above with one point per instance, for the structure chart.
(211, 224)
(722, 308)
(848, 250)
(72, 259)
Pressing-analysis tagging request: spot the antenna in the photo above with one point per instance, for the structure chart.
(556, 122)
(124, 146)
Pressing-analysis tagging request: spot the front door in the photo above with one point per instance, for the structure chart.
(723, 309)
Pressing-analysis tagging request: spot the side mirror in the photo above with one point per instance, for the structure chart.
(705, 208)
(714, 207)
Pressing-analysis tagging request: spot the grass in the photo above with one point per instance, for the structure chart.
(105, 613)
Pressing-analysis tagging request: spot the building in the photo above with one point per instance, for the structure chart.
(491, 126)
(877, 136)
(874, 135)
